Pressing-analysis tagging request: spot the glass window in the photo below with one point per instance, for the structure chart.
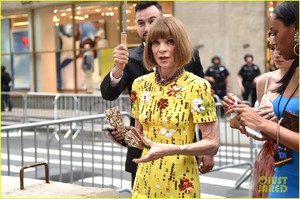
(98, 25)
(5, 44)
(95, 24)
(44, 47)
(16, 56)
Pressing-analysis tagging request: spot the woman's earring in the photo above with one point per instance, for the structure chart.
(296, 39)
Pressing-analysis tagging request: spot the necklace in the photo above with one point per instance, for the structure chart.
(174, 77)
(286, 102)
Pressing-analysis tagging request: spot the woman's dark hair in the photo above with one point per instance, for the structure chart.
(142, 5)
(288, 13)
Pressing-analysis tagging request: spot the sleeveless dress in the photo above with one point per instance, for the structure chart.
(168, 115)
(285, 182)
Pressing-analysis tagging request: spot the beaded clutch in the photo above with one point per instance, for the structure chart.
(131, 137)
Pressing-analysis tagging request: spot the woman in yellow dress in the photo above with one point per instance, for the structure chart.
(167, 104)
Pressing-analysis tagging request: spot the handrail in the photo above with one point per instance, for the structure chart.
(30, 166)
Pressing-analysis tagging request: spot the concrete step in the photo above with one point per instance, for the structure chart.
(39, 189)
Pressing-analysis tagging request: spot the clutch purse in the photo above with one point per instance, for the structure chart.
(290, 121)
(131, 136)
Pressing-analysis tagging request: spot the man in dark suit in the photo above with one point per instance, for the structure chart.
(129, 65)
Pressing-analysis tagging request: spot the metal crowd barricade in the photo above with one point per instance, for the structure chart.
(29, 107)
(34, 106)
(19, 110)
(89, 160)
(235, 150)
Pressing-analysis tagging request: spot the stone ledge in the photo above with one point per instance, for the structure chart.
(39, 189)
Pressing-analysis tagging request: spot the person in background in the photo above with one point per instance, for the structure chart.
(218, 77)
(167, 104)
(247, 77)
(129, 65)
(5, 87)
(88, 66)
(284, 27)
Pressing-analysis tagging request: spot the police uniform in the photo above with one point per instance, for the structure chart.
(219, 73)
(248, 74)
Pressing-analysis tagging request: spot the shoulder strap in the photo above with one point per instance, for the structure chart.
(266, 85)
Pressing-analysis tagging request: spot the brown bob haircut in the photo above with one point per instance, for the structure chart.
(169, 28)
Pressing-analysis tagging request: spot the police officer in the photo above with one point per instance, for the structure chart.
(218, 76)
(247, 77)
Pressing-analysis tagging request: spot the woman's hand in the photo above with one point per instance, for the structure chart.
(156, 151)
(116, 134)
(228, 101)
(247, 116)
(137, 137)
(267, 112)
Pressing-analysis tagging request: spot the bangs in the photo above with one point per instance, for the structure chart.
(169, 28)
(162, 31)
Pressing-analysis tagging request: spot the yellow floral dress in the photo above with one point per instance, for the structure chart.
(168, 115)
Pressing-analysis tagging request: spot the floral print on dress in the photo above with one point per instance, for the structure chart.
(167, 132)
(186, 185)
(146, 96)
(162, 103)
(201, 106)
(133, 96)
(176, 90)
